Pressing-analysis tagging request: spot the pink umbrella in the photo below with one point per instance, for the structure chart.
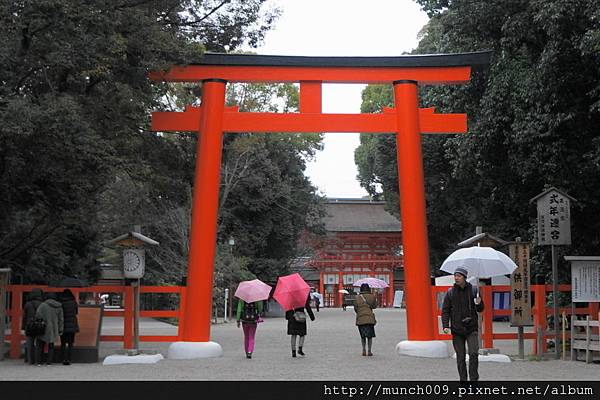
(372, 282)
(291, 291)
(251, 291)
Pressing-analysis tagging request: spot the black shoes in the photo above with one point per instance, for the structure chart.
(294, 353)
(66, 362)
(248, 355)
(301, 352)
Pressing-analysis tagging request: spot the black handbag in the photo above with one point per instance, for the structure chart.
(300, 316)
(35, 327)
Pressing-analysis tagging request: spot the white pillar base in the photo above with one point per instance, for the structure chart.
(192, 350)
(115, 359)
(423, 348)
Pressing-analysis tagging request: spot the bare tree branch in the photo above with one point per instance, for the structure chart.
(206, 15)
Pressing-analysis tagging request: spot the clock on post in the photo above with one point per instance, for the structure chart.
(133, 244)
(133, 263)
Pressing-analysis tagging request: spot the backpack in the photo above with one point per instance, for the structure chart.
(249, 313)
(35, 327)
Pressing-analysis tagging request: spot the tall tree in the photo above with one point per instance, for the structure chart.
(265, 201)
(74, 102)
(532, 120)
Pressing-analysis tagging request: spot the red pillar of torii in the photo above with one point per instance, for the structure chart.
(212, 119)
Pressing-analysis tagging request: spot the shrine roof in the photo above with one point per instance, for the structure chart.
(480, 59)
(473, 240)
(359, 215)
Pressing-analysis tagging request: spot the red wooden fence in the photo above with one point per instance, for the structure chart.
(15, 311)
(540, 314)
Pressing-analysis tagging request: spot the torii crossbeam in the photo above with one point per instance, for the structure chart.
(406, 119)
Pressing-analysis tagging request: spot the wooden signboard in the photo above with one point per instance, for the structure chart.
(554, 218)
(87, 340)
(520, 297)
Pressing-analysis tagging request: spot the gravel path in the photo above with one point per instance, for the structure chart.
(333, 353)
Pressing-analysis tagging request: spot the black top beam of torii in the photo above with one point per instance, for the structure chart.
(422, 68)
(476, 60)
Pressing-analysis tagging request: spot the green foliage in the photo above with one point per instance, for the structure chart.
(376, 155)
(225, 25)
(433, 7)
(533, 120)
(266, 202)
(74, 104)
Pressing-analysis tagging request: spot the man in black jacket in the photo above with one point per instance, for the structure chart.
(459, 315)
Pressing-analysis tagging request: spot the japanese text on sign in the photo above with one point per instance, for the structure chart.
(554, 219)
(520, 297)
(585, 281)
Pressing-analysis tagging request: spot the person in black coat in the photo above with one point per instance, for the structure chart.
(35, 299)
(71, 327)
(297, 325)
(459, 316)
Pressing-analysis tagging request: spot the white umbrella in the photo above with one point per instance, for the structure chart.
(483, 262)
(344, 291)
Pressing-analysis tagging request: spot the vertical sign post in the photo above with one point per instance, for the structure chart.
(520, 296)
(225, 316)
(134, 262)
(554, 229)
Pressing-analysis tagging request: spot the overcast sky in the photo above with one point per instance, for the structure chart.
(343, 28)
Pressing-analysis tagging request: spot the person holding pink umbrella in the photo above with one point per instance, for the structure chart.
(292, 292)
(249, 314)
(249, 309)
(297, 325)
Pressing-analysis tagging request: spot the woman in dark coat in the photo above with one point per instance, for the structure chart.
(71, 327)
(35, 299)
(297, 325)
(364, 304)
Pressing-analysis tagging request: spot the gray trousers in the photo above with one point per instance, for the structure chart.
(460, 342)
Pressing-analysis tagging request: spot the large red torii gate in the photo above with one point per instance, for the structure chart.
(212, 119)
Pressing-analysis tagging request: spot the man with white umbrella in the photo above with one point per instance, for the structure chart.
(459, 315)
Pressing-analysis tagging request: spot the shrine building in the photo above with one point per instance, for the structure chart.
(362, 240)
